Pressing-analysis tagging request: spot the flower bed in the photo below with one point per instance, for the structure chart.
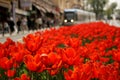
(81, 52)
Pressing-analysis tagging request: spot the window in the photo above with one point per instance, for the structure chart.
(69, 15)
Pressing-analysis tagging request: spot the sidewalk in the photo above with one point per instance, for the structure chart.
(13, 34)
(18, 37)
(21, 33)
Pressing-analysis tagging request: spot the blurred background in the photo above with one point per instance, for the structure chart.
(14, 13)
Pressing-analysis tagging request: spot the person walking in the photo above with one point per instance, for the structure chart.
(11, 25)
(19, 25)
(48, 22)
(39, 23)
(29, 23)
(24, 24)
(2, 27)
(33, 24)
(6, 27)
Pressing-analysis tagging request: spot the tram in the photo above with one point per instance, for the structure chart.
(77, 16)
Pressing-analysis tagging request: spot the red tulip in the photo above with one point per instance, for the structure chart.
(23, 77)
(52, 62)
(33, 63)
(6, 63)
(33, 42)
(70, 57)
(10, 73)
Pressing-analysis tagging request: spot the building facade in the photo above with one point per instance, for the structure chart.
(66, 4)
(5, 7)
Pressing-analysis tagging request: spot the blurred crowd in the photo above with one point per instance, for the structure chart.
(26, 24)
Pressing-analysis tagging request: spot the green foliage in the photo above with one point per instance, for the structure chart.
(110, 10)
(61, 45)
(86, 60)
(86, 40)
(111, 48)
(94, 79)
(110, 60)
(2, 73)
(98, 7)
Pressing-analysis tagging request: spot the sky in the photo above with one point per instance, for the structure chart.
(117, 1)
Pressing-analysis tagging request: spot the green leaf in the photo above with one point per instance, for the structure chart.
(61, 45)
(86, 60)
(94, 79)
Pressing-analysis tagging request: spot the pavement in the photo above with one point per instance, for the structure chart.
(18, 37)
(115, 23)
(15, 36)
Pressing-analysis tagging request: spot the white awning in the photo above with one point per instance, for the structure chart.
(39, 8)
(22, 12)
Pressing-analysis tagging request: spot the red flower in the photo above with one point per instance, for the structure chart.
(8, 43)
(33, 42)
(87, 51)
(74, 42)
(10, 73)
(6, 63)
(94, 56)
(52, 62)
(68, 75)
(23, 77)
(116, 56)
(70, 57)
(33, 63)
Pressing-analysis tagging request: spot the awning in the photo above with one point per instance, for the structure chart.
(5, 3)
(22, 12)
(48, 9)
(40, 8)
(55, 12)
